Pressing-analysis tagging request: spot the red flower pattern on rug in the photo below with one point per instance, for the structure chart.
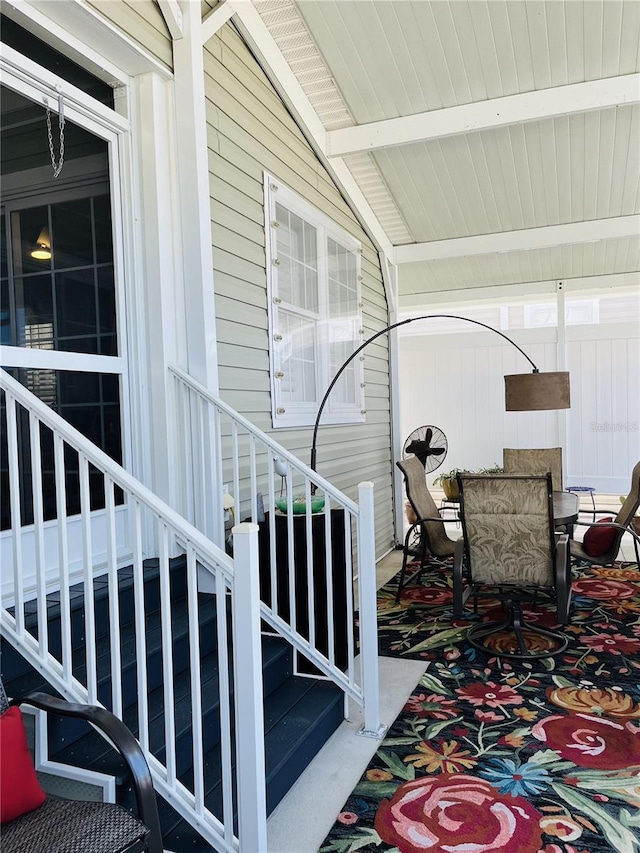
(492, 755)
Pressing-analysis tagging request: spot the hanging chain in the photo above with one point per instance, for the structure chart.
(57, 167)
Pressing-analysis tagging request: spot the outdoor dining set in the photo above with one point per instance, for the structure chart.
(516, 544)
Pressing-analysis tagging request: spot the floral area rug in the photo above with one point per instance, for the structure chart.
(497, 756)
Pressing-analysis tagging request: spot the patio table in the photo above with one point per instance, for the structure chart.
(565, 509)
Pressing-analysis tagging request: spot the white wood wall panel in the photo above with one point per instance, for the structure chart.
(538, 265)
(456, 382)
(603, 424)
(249, 131)
(470, 51)
(564, 169)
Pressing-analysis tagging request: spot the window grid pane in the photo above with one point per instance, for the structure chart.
(298, 359)
(297, 260)
(65, 301)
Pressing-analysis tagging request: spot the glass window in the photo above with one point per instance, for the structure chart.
(315, 316)
(62, 288)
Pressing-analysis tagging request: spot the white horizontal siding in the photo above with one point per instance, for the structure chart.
(249, 132)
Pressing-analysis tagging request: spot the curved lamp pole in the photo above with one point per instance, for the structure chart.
(552, 393)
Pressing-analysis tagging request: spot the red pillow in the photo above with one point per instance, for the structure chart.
(20, 790)
(598, 540)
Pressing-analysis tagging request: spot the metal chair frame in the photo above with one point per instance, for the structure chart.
(123, 741)
(513, 595)
(430, 544)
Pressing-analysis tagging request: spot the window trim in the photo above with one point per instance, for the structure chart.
(304, 414)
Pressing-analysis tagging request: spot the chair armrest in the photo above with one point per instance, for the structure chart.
(436, 518)
(628, 529)
(123, 740)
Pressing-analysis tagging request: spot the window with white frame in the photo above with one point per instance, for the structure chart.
(315, 317)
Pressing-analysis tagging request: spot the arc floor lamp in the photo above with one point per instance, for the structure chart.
(524, 392)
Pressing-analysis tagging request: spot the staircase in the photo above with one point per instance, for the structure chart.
(300, 713)
(175, 643)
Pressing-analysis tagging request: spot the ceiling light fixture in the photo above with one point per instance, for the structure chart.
(42, 252)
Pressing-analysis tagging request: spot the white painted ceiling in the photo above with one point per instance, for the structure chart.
(487, 142)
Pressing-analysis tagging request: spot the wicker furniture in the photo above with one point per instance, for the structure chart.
(72, 826)
(511, 552)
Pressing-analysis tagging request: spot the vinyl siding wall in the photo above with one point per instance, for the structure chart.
(250, 131)
(142, 21)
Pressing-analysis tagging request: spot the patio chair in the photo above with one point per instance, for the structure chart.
(601, 543)
(511, 553)
(426, 538)
(537, 460)
(41, 823)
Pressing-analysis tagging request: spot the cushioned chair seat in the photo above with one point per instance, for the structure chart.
(70, 826)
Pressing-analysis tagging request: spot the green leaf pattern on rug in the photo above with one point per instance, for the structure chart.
(540, 756)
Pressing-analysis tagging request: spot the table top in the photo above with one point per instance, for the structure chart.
(565, 507)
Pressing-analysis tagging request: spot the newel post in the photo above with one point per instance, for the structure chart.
(368, 613)
(249, 704)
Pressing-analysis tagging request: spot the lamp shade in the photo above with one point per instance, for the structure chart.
(42, 252)
(533, 392)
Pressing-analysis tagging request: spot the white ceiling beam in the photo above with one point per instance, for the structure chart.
(413, 302)
(516, 241)
(216, 19)
(172, 14)
(256, 34)
(483, 115)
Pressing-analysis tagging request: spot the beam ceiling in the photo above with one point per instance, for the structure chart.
(482, 115)
(514, 241)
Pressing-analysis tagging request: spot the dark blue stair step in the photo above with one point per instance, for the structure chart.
(18, 676)
(65, 727)
(299, 735)
(91, 751)
(299, 718)
(177, 568)
(153, 638)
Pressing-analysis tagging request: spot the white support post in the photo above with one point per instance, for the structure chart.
(247, 667)
(395, 399)
(195, 202)
(561, 364)
(368, 614)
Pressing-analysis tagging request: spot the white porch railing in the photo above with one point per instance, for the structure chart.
(133, 526)
(121, 523)
(309, 562)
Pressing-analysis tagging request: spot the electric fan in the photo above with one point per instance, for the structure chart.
(429, 444)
